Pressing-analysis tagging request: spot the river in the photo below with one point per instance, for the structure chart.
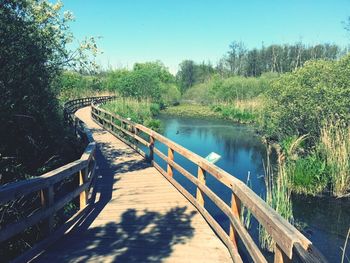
(324, 221)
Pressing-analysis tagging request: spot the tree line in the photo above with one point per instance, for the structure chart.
(241, 61)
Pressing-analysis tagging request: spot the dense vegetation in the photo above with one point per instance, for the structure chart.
(142, 112)
(296, 95)
(239, 61)
(313, 102)
(33, 139)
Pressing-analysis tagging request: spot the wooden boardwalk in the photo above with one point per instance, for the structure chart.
(138, 216)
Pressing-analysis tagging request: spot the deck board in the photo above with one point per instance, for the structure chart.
(138, 216)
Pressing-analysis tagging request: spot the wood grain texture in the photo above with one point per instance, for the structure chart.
(137, 216)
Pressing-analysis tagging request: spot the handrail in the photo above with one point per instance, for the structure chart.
(83, 170)
(287, 238)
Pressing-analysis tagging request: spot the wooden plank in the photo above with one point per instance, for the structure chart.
(280, 256)
(170, 157)
(201, 180)
(21, 225)
(234, 218)
(217, 228)
(16, 190)
(236, 211)
(309, 255)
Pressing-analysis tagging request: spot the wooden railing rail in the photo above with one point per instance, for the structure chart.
(82, 170)
(290, 243)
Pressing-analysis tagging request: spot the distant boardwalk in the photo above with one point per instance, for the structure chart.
(138, 216)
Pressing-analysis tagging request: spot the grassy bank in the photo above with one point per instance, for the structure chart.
(246, 111)
(142, 112)
(191, 110)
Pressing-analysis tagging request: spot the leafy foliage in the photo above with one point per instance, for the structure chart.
(147, 81)
(71, 85)
(298, 102)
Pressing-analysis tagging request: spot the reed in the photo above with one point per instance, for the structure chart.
(344, 256)
(278, 195)
(335, 148)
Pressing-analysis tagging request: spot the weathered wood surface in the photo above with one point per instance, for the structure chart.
(138, 216)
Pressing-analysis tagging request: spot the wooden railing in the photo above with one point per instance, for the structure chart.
(290, 243)
(82, 170)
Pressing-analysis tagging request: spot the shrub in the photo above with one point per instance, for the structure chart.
(154, 108)
(298, 102)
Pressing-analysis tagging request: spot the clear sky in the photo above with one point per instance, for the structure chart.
(201, 30)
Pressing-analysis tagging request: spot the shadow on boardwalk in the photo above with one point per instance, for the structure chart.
(148, 237)
(143, 236)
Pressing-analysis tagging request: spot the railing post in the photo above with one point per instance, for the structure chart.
(83, 198)
(201, 178)
(75, 126)
(151, 146)
(170, 157)
(111, 120)
(47, 200)
(280, 256)
(236, 210)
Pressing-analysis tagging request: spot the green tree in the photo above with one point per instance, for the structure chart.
(186, 75)
(34, 37)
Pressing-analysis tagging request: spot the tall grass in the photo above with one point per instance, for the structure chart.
(335, 148)
(244, 111)
(142, 112)
(278, 195)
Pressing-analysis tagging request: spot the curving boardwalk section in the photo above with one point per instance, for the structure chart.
(138, 216)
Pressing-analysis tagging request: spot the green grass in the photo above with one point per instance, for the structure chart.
(191, 110)
(231, 112)
(142, 112)
(308, 175)
(220, 111)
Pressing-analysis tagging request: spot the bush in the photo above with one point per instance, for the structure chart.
(146, 81)
(298, 102)
(155, 109)
(237, 88)
(72, 85)
(170, 94)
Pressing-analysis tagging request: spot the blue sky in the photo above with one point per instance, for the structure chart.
(201, 30)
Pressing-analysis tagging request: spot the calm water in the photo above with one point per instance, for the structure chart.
(325, 221)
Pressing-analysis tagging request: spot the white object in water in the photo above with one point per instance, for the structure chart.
(213, 157)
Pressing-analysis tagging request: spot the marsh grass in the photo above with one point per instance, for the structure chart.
(244, 111)
(335, 148)
(307, 172)
(278, 195)
(142, 112)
